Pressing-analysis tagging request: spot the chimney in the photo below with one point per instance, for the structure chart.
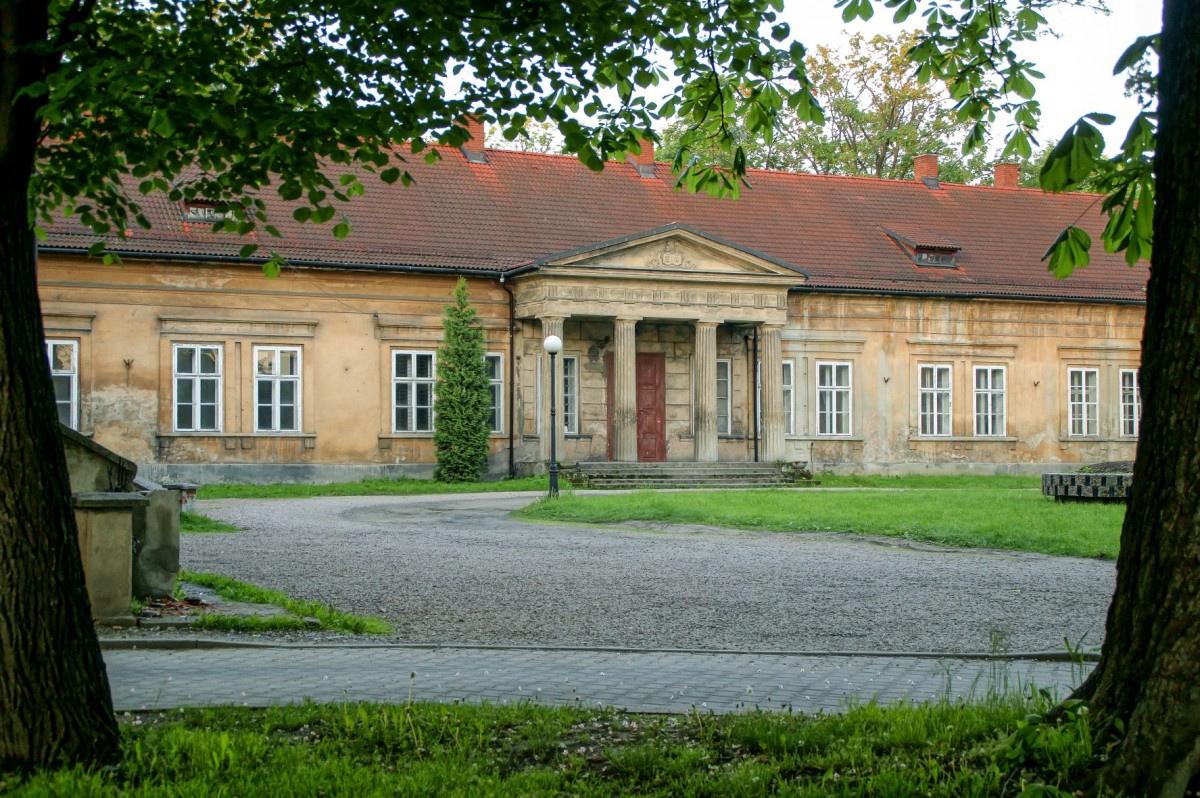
(472, 148)
(1006, 175)
(644, 161)
(925, 169)
(474, 126)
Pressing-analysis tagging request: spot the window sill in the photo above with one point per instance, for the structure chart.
(208, 434)
(963, 439)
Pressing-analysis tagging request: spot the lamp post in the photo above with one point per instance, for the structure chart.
(553, 345)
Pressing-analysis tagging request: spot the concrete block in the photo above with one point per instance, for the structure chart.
(156, 545)
(105, 522)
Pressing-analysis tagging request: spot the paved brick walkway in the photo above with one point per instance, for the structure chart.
(636, 681)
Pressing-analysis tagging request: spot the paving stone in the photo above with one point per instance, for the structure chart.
(143, 679)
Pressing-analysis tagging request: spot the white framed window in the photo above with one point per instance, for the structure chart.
(834, 398)
(934, 396)
(413, 375)
(495, 370)
(1083, 401)
(64, 374)
(196, 405)
(788, 382)
(1131, 403)
(570, 395)
(276, 389)
(724, 397)
(989, 401)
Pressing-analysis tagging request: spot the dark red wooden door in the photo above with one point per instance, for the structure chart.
(652, 407)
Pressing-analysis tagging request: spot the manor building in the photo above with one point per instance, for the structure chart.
(857, 323)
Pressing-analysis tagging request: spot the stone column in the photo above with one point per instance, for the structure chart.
(771, 376)
(705, 420)
(551, 325)
(625, 444)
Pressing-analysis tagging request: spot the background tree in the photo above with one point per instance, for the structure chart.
(533, 136)
(878, 116)
(306, 101)
(462, 399)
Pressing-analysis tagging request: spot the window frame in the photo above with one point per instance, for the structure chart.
(495, 389)
(935, 392)
(413, 381)
(196, 378)
(1131, 412)
(787, 384)
(833, 390)
(276, 380)
(570, 395)
(989, 392)
(72, 374)
(725, 404)
(1084, 404)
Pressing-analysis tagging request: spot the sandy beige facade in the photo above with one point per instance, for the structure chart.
(321, 372)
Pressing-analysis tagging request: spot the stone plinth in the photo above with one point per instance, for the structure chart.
(105, 523)
(1111, 487)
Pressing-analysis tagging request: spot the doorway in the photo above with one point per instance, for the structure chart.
(650, 384)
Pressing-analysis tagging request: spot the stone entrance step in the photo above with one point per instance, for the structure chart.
(686, 475)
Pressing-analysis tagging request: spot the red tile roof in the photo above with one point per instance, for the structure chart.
(521, 207)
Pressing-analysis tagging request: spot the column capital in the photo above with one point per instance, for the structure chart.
(705, 323)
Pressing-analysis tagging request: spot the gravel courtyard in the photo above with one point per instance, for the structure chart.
(458, 569)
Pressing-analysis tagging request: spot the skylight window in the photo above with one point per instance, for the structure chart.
(203, 212)
(933, 257)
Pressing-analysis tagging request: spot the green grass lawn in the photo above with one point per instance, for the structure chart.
(974, 517)
(366, 487)
(235, 590)
(946, 481)
(989, 749)
(193, 523)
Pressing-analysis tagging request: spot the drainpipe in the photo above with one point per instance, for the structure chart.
(754, 382)
(512, 382)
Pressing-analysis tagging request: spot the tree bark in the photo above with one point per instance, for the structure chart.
(1147, 675)
(55, 706)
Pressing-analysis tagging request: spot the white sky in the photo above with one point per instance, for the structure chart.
(1078, 66)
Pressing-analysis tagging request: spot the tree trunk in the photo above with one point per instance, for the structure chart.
(1147, 676)
(55, 705)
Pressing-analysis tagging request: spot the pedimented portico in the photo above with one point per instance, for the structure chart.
(636, 296)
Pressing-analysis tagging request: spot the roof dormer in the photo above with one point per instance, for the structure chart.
(924, 247)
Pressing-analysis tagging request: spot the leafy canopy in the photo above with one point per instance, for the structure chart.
(221, 101)
(218, 100)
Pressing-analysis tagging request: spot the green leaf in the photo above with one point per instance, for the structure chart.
(302, 214)
(904, 11)
(341, 229)
(1068, 252)
(247, 250)
(390, 176)
(1134, 52)
(1101, 119)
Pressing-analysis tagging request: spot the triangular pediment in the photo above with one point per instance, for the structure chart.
(675, 249)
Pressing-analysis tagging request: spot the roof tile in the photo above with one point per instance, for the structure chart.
(520, 207)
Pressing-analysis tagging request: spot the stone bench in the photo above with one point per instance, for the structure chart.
(1075, 486)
